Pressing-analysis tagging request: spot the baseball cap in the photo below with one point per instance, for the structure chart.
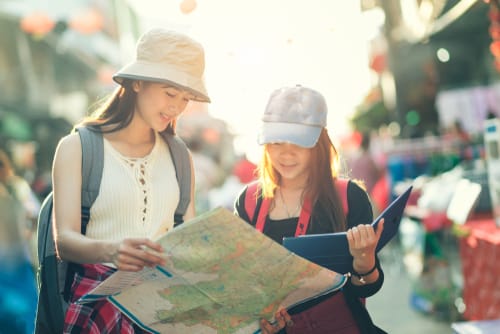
(293, 115)
(170, 57)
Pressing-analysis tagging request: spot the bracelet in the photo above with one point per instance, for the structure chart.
(360, 277)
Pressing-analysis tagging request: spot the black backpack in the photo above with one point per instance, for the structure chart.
(54, 275)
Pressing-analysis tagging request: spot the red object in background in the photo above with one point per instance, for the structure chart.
(88, 21)
(480, 253)
(494, 30)
(495, 48)
(494, 13)
(245, 171)
(378, 63)
(380, 193)
(494, 17)
(37, 23)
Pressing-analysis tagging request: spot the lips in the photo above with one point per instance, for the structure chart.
(288, 165)
(165, 117)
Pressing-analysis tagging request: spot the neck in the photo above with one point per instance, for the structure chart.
(293, 185)
(136, 134)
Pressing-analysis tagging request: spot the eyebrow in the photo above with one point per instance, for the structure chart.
(170, 86)
(190, 95)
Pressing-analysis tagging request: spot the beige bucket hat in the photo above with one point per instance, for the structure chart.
(170, 57)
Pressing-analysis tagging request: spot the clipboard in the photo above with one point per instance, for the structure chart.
(331, 250)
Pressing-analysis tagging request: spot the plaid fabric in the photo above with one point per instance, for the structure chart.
(97, 317)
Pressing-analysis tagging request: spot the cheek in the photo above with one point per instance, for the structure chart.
(272, 154)
(151, 102)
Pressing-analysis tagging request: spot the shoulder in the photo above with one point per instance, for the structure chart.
(240, 204)
(69, 145)
(356, 188)
(360, 208)
(68, 157)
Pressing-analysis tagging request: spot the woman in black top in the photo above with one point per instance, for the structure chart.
(299, 166)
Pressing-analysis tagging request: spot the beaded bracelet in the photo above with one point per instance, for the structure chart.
(360, 277)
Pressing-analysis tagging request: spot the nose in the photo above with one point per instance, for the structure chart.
(177, 107)
(287, 148)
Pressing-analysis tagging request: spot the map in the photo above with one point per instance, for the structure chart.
(221, 276)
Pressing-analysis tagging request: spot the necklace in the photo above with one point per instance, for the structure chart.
(289, 213)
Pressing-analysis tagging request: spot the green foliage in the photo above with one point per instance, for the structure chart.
(370, 117)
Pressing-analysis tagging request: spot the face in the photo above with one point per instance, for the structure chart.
(291, 161)
(158, 104)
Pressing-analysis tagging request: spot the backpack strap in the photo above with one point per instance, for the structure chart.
(341, 185)
(182, 164)
(255, 203)
(252, 197)
(92, 167)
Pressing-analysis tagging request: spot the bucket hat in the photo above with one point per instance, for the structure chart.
(170, 57)
(293, 115)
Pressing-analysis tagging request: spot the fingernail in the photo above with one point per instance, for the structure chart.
(289, 323)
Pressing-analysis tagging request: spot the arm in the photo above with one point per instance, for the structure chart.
(362, 240)
(129, 254)
(190, 211)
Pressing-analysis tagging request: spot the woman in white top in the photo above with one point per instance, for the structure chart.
(139, 191)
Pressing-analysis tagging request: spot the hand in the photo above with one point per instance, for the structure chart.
(134, 254)
(363, 240)
(283, 320)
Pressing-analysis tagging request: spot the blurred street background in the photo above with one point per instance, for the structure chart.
(413, 89)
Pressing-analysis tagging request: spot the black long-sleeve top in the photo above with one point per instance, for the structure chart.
(359, 212)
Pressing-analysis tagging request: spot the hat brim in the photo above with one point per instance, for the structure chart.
(280, 132)
(140, 70)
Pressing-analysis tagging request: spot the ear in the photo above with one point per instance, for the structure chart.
(136, 85)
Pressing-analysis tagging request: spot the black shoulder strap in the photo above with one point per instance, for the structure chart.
(92, 166)
(182, 164)
(253, 201)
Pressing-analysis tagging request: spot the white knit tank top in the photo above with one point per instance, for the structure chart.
(137, 197)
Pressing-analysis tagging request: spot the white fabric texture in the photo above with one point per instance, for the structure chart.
(137, 197)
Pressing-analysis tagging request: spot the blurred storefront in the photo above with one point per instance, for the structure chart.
(437, 82)
(57, 59)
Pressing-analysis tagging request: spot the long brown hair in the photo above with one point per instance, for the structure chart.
(116, 111)
(324, 169)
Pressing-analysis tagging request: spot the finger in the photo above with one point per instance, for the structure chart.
(366, 234)
(280, 321)
(350, 237)
(154, 245)
(266, 327)
(152, 257)
(287, 318)
(354, 233)
(140, 249)
(380, 228)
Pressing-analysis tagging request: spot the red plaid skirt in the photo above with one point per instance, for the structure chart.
(96, 317)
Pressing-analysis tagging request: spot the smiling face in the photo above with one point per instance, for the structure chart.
(290, 161)
(158, 104)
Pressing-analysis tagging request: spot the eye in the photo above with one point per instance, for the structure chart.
(170, 94)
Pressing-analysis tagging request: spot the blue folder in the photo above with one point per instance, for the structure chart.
(331, 250)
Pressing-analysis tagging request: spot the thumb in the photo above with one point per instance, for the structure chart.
(380, 228)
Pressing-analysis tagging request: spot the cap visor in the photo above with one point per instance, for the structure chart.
(298, 134)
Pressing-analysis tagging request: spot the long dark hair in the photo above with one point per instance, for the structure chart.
(116, 111)
(324, 170)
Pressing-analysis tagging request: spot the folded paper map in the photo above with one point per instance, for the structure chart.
(221, 276)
